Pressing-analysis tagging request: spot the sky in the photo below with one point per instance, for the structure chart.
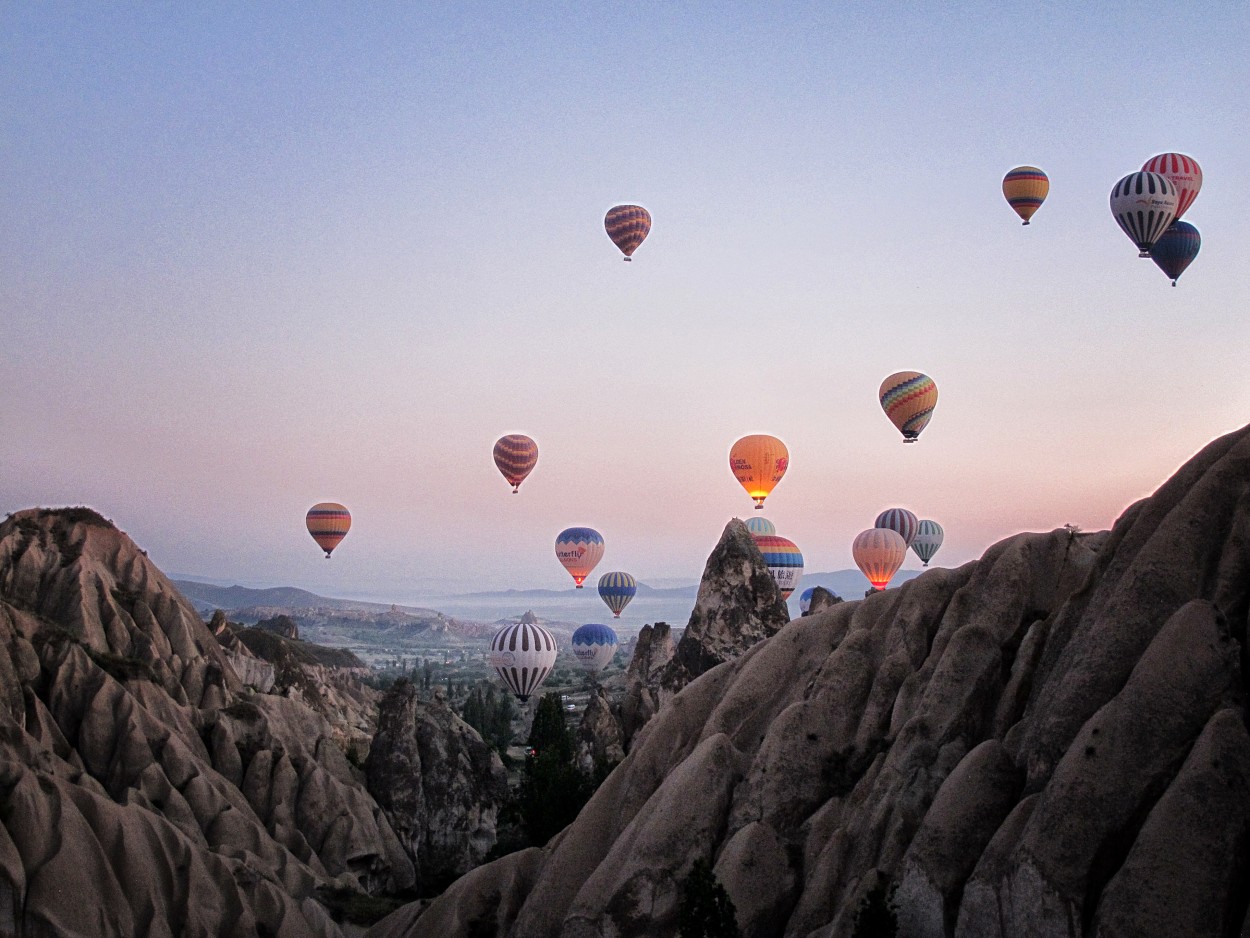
(257, 256)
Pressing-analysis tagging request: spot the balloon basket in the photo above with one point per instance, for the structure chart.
(1025, 222)
(628, 260)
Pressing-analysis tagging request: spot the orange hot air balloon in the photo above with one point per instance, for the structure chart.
(627, 226)
(516, 455)
(879, 552)
(328, 523)
(758, 462)
(908, 399)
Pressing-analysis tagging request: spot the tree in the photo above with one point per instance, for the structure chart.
(875, 917)
(549, 730)
(706, 911)
(553, 788)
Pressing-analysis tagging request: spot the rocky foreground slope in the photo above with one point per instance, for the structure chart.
(1049, 741)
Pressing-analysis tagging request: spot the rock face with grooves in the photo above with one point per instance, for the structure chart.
(1048, 741)
(599, 739)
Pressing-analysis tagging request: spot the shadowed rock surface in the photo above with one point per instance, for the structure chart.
(1049, 741)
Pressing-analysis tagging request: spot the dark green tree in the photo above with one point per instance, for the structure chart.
(706, 911)
(875, 917)
(553, 788)
(549, 731)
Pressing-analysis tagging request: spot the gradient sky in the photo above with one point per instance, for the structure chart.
(255, 256)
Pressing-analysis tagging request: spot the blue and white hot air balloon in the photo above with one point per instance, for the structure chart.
(760, 526)
(617, 589)
(594, 646)
(927, 540)
(805, 600)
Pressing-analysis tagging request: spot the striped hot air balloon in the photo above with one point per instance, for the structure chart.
(617, 589)
(579, 549)
(927, 540)
(1144, 204)
(516, 455)
(522, 654)
(757, 525)
(1181, 171)
(908, 399)
(594, 646)
(627, 226)
(900, 520)
(1177, 248)
(758, 462)
(879, 552)
(1025, 188)
(784, 560)
(328, 523)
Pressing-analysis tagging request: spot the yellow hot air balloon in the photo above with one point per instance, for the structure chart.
(879, 552)
(758, 462)
(1025, 189)
(328, 523)
(908, 399)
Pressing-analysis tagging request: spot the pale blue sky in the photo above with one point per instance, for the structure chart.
(257, 256)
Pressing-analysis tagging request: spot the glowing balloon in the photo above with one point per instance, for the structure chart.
(879, 552)
(758, 525)
(1025, 188)
(616, 589)
(627, 226)
(516, 455)
(328, 523)
(1144, 204)
(1181, 171)
(758, 462)
(594, 646)
(579, 549)
(784, 561)
(927, 540)
(1176, 249)
(522, 654)
(908, 399)
(900, 520)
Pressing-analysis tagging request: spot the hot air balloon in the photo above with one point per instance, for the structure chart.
(908, 399)
(758, 462)
(328, 523)
(900, 520)
(879, 552)
(522, 654)
(1143, 204)
(627, 226)
(594, 646)
(617, 589)
(805, 600)
(579, 549)
(1176, 249)
(784, 561)
(1025, 188)
(1181, 171)
(758, 525)
(516, 455)
(927, 540)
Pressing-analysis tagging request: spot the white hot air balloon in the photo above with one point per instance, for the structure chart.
(523, 654)
(1144, 204)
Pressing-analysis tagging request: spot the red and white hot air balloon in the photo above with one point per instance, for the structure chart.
(1181, 171)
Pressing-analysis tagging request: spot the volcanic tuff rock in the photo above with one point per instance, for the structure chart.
(599, 739)
(1049, 741)
(144, 790)
(440, 785)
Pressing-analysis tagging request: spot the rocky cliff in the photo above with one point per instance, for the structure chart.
(1049, 741)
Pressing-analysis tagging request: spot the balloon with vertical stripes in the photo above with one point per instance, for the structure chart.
(900, 520)
(627, 226)
(759, 525)
(516, 455)
(1144, 204)
(1177, 249)
(879, 552)
(1025, 189)
(908, 399)
(1181, 171)
(328, 523)
(617, 589)
(927, 540)
(522, 654)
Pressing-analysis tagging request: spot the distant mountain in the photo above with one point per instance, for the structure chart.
(207, 597)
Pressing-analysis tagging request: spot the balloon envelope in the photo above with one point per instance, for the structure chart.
(879, 552)
(1025, 188)
(1181, 171)
(1144, 204)
(758, 462)
(522, 654)
(594, 646)
(617, 589)
(784, 560)
(1176, 249)
(908, 399)
(516, 455)
(927, 540)
(579, 549)
(627, 226)
(758, 525)
(805, 600)
(328, 523)
(900, 520)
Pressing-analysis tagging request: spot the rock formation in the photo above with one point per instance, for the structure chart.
(821, 599)
(1049, 741)
(599, 739)
(440, 785)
